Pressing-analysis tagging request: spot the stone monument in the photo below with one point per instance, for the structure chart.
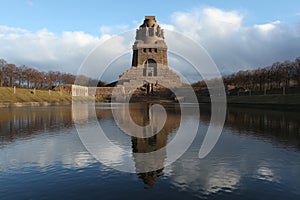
(149, 61)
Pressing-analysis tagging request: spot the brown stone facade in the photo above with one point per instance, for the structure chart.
(141, 55)
(149, 61)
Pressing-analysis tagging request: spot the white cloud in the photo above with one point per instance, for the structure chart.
(222, 22)
(167, 26)
(231, 44)
(46, 50)
(267, 27)
(235, 46)
(218, 15)
(7, 29)
(206, 21)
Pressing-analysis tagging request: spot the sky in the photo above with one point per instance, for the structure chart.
(237, 34)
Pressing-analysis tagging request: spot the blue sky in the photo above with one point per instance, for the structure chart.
(39, 33)
(88, 16)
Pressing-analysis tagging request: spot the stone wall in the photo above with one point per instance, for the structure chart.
(130, 87)
(103, 92)
(80, 91)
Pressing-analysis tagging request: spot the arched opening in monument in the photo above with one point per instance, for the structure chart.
(150, 68)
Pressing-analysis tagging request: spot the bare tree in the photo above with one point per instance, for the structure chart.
(3, 64)
(10, 70)
(68, 78)
(296, 75)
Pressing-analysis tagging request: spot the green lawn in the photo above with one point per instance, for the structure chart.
(25, 95)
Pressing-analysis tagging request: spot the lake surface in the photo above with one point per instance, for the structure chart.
(256, 157)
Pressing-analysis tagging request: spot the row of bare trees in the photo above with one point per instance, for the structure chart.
(24, 76)
(277, 76)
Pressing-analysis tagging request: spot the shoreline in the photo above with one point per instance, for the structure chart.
(260, 106)
(32, 104)
(282, 102)
(266, 106)
(287, 102)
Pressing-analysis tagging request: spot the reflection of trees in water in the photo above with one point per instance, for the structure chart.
(281, 127)
(24, 122)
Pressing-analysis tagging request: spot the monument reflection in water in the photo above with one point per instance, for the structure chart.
(154, 138)
(141, 115)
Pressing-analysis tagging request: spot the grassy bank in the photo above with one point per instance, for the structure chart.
(292, 99)
(7, 95)
(261, 101)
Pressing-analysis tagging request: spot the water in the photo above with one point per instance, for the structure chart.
(256, 157)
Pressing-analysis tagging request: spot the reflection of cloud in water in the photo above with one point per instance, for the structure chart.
(112, 156)
(222, 179)
(235, 162)
(210, 180)
(265, 173)
(44, 151)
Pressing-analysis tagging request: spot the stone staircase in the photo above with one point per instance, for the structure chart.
(133, 79)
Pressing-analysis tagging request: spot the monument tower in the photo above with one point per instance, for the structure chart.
(149, 60)
(149, 47)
